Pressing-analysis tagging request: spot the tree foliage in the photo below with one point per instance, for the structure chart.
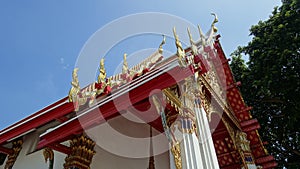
(270, 80)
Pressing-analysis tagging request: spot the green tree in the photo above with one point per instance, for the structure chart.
(271, 80)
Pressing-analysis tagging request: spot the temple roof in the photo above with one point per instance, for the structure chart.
(59, 121)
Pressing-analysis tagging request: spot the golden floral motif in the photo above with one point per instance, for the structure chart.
(177, 155)
(82, 152)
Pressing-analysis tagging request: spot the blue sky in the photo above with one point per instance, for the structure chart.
(40, 40)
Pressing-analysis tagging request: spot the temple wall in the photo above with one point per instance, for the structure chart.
(35, 160)
(107, 136)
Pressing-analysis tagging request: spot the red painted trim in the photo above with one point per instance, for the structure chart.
(36, 122)
(111, 108)
(264, 159)
(61, 148)
(6, 150)
(233, 166)
(35, 114)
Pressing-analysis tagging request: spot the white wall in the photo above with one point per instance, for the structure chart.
(123, 142)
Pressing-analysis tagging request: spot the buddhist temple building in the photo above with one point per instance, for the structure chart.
(187, 108)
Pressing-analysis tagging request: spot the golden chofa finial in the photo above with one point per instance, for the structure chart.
(102, 74)
(160, 49)
(202, 36)
(180, 50)
(215, 21)
(75, 89)
(125, 64)
(193, 46)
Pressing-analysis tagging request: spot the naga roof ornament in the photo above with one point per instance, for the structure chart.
(102, 74)
(75, 89)
(180, 50)
(160, 49)
(215, 21)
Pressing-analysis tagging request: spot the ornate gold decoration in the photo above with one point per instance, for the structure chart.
(49, 155)
(230, 130)
(102, 74)
(125, 64)
(243, 146)
(202, 36)
(180, 50)
(205, 102)
(221, 102)
(75, 89)
(16, 147)
(212, 79)
(172, 99)
(82, 152)
(214, 22)
(177, 155)
(242, 142)
(160, 49)
(193, 44)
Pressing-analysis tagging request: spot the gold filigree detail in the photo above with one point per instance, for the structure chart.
(230, 130)
(242, 143)
(206, 104)
(177, 155)
(102, 74)
(212, 79)
(221, 102)
(17, 147)
(125, 64)
(75, 89)
(180, 50)
(82, 152)
(172, 99)
(48, 154)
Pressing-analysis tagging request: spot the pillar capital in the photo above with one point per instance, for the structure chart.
(82, 152)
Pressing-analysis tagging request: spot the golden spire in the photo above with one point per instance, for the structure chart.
(102, 74)
(125, 64)
(202, 36)
(75, 89)
(160, 49)
(180, 50)
(193, 46)
(215, 21)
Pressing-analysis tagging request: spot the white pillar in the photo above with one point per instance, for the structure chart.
(191, 155)
(209, 156)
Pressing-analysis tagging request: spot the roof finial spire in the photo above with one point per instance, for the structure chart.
(193, 46)
(75, 89)
(160, 49)
(202, 36)
(125, 64)
(102, 74)
(180, 50)
(215, 21)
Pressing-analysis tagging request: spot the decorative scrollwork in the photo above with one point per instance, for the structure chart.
(17, 147)
(82, 152)
(177, 155)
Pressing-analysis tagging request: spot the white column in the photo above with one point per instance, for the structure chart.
(191, 151)
(205, 139)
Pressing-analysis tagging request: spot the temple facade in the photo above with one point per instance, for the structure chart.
(180, 112)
